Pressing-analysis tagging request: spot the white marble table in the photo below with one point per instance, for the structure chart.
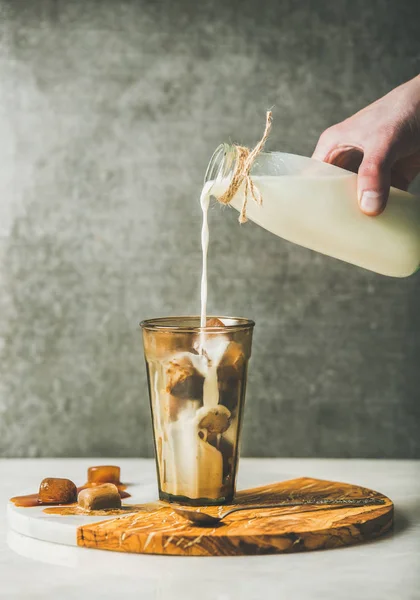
(385, 569)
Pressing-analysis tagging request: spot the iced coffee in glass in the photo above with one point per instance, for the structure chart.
(197, 380)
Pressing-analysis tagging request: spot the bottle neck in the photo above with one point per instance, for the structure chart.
(222, 164)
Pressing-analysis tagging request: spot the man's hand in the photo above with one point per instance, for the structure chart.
(381, 143)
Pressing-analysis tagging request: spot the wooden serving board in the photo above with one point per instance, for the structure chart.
(159, 530)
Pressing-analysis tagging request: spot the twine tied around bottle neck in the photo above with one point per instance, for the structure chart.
(245, 160)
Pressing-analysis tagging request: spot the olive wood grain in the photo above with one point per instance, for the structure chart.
(159, 530)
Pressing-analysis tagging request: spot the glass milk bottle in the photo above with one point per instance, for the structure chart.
(314, 204)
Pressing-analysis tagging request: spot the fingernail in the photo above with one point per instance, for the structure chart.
(370, 202)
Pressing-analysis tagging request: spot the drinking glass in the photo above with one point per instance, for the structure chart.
(197, 380)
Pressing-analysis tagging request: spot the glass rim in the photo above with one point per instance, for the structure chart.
(170, 324)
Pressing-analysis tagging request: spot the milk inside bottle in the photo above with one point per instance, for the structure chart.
(314, 204)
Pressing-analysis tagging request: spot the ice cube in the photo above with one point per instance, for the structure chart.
(214, 322)
(214, 420)
(183, 379)
(233, 357)
(159, 345)
(212, 346)
(230, 373)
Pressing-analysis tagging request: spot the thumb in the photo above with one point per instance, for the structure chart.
(373, 183)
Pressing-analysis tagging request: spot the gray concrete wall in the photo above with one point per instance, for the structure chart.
(109, 112)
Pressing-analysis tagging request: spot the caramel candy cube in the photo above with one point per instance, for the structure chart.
(100, 497)
(104, 474)
(55, 490)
